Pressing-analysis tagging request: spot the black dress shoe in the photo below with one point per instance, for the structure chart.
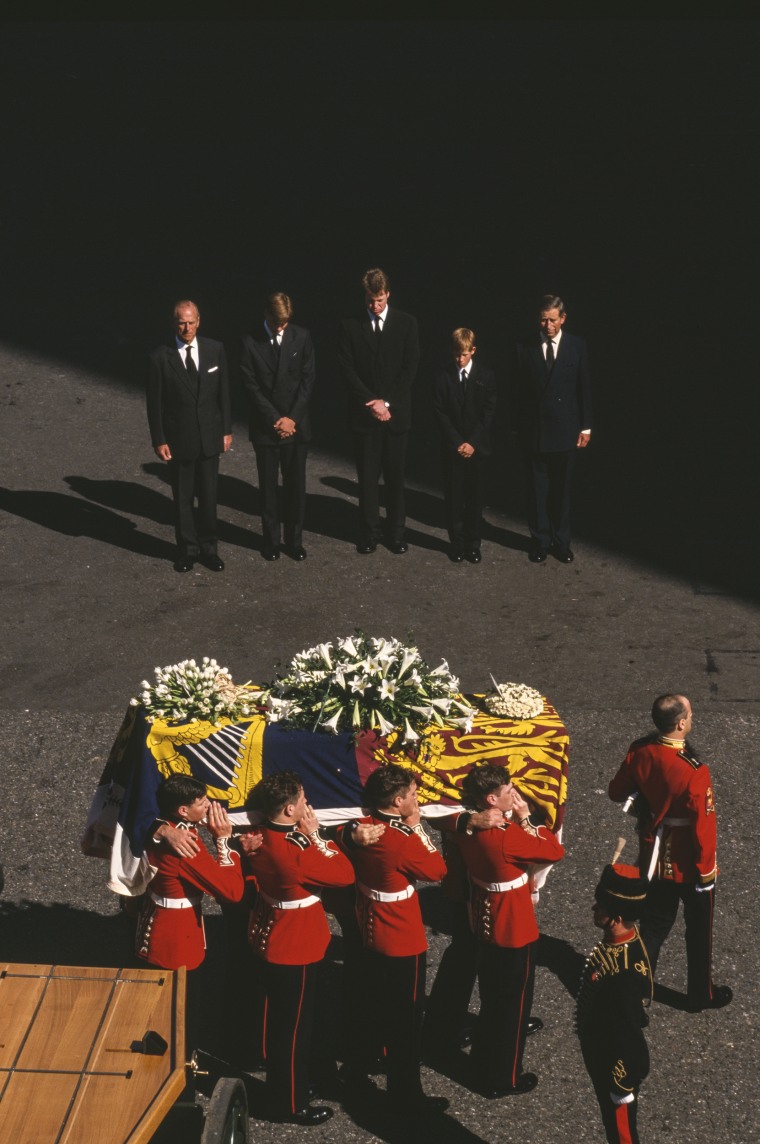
(564, 555)
(474, 556)
(398, 547)
(537, 556)
(312, 1114)
(722, 995)
(526, 1082)
(270, 553)
(297, 553)
(183, 564)
(367, 547)
(535, 1025)
(456, 555)
(212, 562)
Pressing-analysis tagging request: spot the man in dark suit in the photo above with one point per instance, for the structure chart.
(278, 372)
(553, 421)
(378, 354)
(465, 403)
(189, 417)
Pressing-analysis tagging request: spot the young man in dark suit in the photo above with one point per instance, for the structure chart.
(378, 354)
(553, 392)
(465, 403)
(189, 417)
(278, 372)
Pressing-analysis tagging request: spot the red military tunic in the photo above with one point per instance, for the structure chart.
(679, 796)
(388, 867)
(286, 868)
(497, 858)
(170, 927)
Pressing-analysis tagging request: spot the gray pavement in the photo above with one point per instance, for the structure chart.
(90, 604)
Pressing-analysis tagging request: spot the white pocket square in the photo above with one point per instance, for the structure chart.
(212, 368)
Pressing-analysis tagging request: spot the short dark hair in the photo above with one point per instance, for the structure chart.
(552, 302)
(177, 791)
(376, 281)
(667, 710)
(482, 781)
(384, 784)
(273, 793)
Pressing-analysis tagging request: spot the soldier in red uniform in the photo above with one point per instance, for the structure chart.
(170, 926)
(392, 931)
(504, 922)
(678, 843)
(615, 985)
(288, 931)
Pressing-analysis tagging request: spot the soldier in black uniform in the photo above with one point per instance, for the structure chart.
(615, 986)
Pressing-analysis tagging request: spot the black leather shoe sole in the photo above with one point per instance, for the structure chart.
(474, 556)
(296, 553)
(398, 548)
(366, 549)
(271, 553)
(525, 1083)
(185, 565)
(535, 1025)
(537, 557)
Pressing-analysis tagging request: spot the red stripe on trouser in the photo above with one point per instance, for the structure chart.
(293, 1044)
(622, 1124)
(520, 1020)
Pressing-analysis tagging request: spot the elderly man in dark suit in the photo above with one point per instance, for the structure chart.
(553, 391)
(378, 354)
(465, 403)
(278, 372)
(189, 417)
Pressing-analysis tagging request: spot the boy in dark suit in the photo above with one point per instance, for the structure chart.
(465, 403)
(278, 370)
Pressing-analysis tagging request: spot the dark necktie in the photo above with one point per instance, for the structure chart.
(378, 330)
(190, 366)
(276, 347)
(549, 355)
(464, 383)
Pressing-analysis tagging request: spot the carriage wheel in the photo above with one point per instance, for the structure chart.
(227, 1114)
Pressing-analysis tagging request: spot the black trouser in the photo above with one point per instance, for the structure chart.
(619, 1120)
(448, 1005)
(290, 459)
(380, 452)
(505, 978)
(549, 478)
(657, 920)
(195, 531)
(397, 985)
(288, 1021)
(463, 479)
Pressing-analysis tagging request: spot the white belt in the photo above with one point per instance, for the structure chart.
(293, 904)
(658, 842)
(500, 887)
(175, 903)
(379, 896)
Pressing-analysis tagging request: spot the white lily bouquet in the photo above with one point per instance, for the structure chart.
(199, 692)
(514, 701)
(364, 683)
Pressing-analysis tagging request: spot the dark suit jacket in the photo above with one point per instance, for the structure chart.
(467, 419)
(193, 424)
(386, 371)
(281, 388)
(552, 410)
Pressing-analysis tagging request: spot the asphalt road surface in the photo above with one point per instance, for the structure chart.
(90, 604)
